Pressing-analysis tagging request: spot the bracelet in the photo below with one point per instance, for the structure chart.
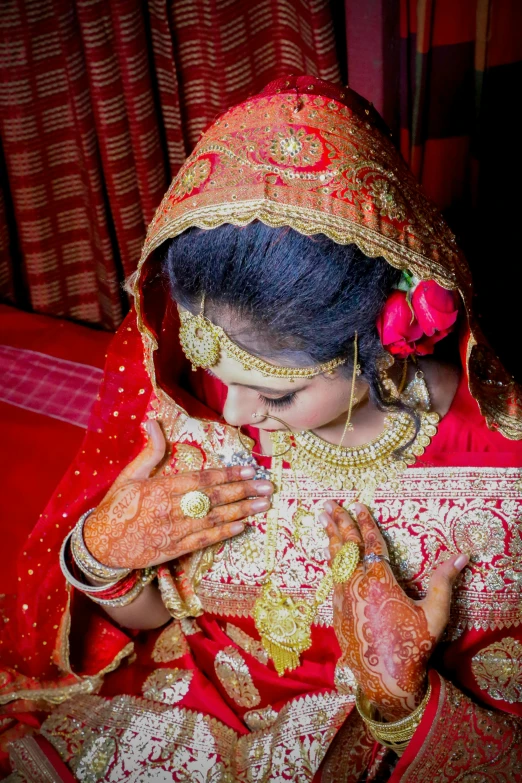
(71, 578)
(397, 734)
(140, 580)
(91, 567)
(119, 593)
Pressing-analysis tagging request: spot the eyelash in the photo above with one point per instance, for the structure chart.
(279, 402)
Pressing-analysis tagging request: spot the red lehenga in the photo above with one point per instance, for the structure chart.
(198, 699)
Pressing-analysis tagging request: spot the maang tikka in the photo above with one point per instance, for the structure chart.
(202, 343)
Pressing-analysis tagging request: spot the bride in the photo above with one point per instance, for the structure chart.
(289, 548)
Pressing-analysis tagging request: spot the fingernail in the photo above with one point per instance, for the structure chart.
(264, 487)
(247, 472)
(237, 527)
(261, 504)
(357, 508)
(329, 506)
(461, 561)
(324, 519)
(148, 425)
(327, 553)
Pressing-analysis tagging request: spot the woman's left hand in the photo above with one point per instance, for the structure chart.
(386, 638)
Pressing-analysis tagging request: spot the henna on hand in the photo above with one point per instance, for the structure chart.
(386, 638)
(140, 523)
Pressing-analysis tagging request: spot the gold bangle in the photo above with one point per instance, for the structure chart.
(91, 567)
(146, 576)
(397, 734)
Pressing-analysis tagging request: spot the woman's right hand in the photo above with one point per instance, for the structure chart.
(139, 523)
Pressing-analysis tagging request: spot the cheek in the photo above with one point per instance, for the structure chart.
(313, 412)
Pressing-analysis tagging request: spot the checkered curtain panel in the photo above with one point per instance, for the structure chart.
(447, 76)
(101, 100)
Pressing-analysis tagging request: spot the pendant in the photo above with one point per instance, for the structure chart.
(298, 518)
(284, 627)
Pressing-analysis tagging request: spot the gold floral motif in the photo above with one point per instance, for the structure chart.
(189, 626)
(350, 753)
(234, 675)
(296, 148)
(425, 514)
(141, 740)
(260, 719)
(170, 644)
(187, 458)
(467, 742)
(193, 176)
(386, 199)
(293, 747)
(167, 686)
(497, 669)
(247, 643)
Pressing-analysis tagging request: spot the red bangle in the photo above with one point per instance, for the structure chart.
(122, 587)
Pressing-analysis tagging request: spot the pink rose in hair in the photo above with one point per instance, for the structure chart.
(414, 327)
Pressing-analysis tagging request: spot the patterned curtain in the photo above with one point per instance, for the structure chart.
(446, 75)
(100, 102)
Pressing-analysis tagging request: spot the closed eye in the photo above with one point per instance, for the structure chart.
(279, 402)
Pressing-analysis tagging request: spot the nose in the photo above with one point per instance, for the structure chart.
(239, 406)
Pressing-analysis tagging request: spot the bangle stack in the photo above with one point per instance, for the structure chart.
(91, 567)
(119, 586)
(395, 735)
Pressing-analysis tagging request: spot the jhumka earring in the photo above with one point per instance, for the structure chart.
(353, 399)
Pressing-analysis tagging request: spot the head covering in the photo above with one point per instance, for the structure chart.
(319, 159)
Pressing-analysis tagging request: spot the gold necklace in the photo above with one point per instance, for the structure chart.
(283, 624)
(364, 467)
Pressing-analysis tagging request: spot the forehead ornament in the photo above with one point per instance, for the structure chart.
(202, 343)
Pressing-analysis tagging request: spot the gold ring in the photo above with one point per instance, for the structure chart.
(345, 562)
(195, 505)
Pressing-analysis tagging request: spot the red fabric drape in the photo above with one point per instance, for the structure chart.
(101, 103)
(446, 77)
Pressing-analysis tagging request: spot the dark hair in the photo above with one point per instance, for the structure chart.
(305, 296)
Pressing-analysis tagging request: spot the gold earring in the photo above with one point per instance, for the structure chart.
(353, 399)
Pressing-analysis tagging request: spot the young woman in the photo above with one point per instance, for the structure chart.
(343, 607)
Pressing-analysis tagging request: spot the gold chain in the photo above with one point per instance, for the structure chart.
(284, 625)
(364, 468)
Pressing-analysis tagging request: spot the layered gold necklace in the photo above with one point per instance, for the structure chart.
(364, 468)
(284, 625)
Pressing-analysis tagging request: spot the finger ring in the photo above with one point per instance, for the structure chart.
(373, 557)
(345, 562)
(195, 505)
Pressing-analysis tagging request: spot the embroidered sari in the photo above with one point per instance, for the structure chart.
(84, 699)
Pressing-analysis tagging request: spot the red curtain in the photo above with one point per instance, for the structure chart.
(446, 76)
(101, 101)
